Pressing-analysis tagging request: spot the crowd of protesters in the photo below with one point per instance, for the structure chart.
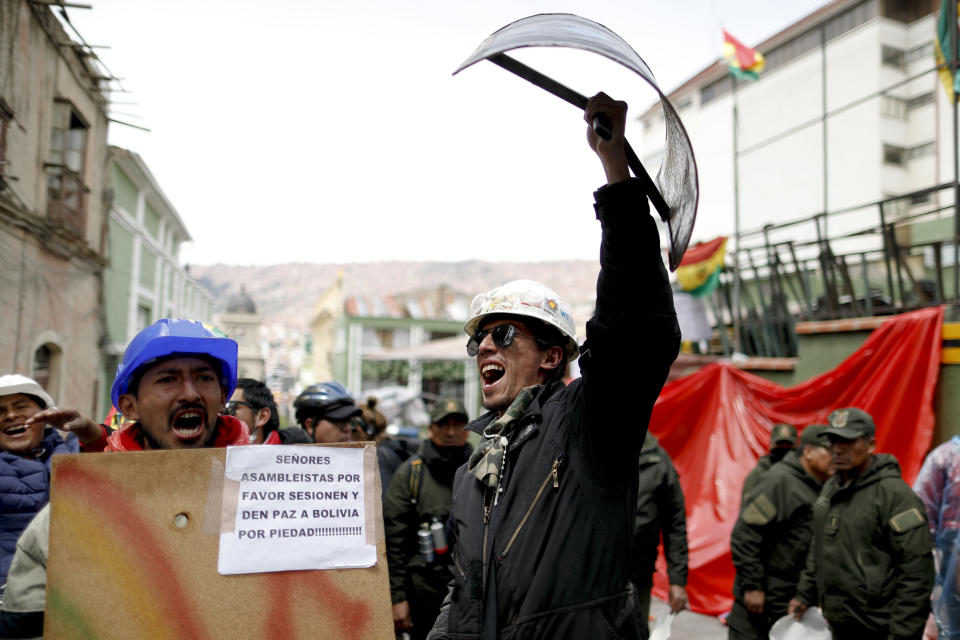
(548, 525)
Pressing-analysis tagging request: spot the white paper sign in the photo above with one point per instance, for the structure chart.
(295, 508)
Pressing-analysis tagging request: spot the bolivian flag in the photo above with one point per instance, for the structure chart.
(699, 271)
(742, 61)
(945, 47)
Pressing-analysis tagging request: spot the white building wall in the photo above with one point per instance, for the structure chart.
(781, 170)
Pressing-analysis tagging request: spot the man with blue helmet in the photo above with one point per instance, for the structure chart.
(175, 377)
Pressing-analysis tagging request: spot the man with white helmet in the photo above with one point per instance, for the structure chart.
(26, 447)
(543, 512)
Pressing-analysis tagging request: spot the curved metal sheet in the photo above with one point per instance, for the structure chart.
(677, 178)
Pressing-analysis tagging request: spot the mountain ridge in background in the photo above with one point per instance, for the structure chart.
(286, 293)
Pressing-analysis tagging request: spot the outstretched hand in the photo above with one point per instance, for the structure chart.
(69, 420)
(611, 152)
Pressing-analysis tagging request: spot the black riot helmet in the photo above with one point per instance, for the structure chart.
(326, 400)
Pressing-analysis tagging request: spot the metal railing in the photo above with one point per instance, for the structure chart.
(872, 264)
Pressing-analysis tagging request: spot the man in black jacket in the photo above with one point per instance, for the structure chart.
(544, 510)
(420, 493)
(660, 510)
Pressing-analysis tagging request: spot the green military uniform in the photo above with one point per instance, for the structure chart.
(770, 540)
(781, 433)
(421, 489)
(870, 567)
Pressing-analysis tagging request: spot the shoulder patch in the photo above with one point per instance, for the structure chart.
(906, 520)
(760, 511)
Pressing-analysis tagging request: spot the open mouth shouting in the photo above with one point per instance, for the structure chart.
(491, 373)
(188, 423)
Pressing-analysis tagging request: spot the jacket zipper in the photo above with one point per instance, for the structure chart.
(553, 475)
(487, 507)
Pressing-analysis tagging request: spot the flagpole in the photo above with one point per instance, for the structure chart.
(736, 223)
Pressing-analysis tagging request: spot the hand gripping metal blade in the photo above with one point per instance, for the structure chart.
(675, 192)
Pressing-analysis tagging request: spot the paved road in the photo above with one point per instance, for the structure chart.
(688, 625)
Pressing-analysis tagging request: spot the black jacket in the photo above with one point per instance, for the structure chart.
(771, 538)
(660, 509)
(402, 517)
(556, 548)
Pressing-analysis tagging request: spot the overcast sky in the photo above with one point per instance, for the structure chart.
(333, 131)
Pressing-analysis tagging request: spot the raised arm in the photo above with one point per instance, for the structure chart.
(633, 337)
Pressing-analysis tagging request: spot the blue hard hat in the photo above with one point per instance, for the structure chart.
(175, 337)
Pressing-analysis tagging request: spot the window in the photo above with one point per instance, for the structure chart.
(716, 89)
(893, 57)
(922, 198)
(921, 150)
(923, 52)
(894, 155)
(908, 10)
(41, 366)
(401, 338)
(66, 193)
(921, 100)
(45, 367)
(144, 317)
(792, 49)
(891, 107)
(850, 19)
(370, 339)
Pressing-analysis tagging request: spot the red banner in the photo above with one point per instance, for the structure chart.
(716, 423)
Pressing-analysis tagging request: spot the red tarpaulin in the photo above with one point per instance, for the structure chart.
(716, 423)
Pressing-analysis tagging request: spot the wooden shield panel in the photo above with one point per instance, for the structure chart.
(134, 541)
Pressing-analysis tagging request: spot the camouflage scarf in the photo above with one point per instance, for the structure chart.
(486, 462)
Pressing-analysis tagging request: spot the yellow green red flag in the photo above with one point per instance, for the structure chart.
(742, 61)
(945, 47)
(699, 271)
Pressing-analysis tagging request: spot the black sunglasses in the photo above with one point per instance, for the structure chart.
(230, 408)
(503, 336)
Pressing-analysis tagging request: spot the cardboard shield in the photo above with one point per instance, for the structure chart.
(675, 193)
(134, 543)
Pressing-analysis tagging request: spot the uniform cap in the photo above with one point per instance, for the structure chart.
(850, 423)
(446, 408)
(15, 383)
(813, 435)
(783, 433)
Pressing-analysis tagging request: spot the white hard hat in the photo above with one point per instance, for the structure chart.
(15, 383)
(530, 299)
